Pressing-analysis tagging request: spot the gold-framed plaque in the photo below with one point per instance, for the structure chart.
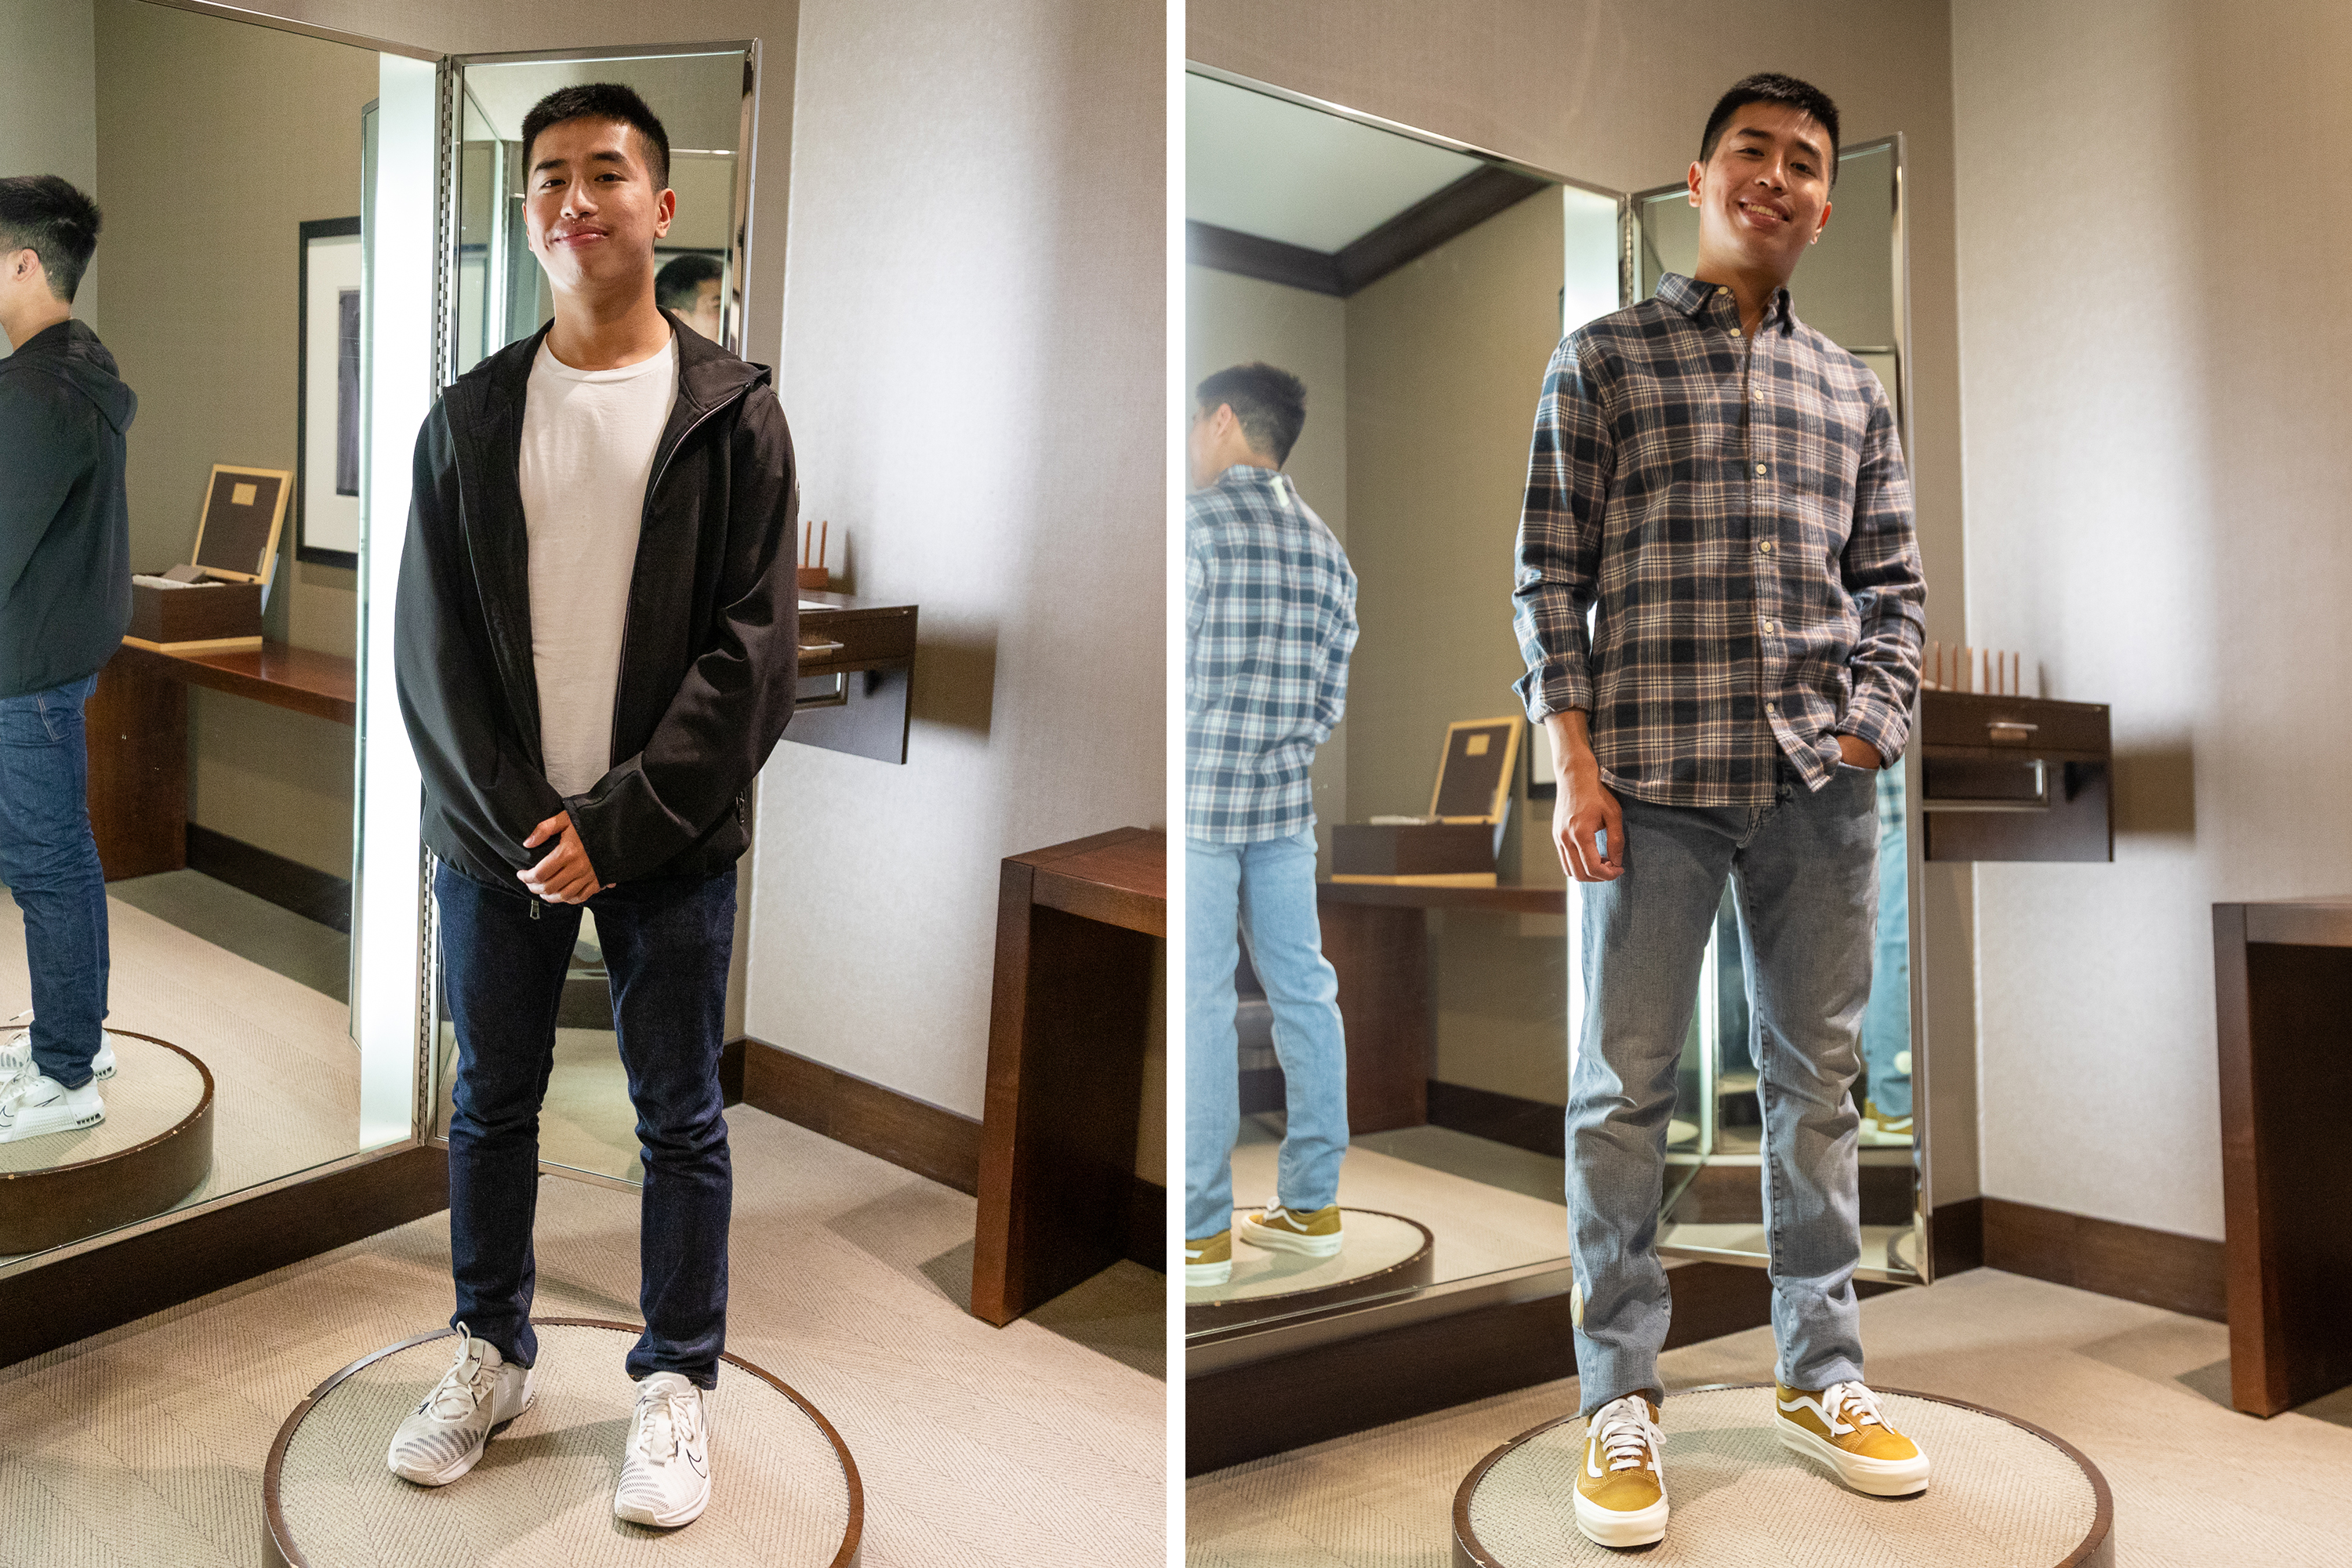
(243, 512)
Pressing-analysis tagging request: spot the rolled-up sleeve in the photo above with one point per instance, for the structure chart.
(1570, 466)
(1881, 568)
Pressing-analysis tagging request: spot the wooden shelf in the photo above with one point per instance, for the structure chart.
(323, 685)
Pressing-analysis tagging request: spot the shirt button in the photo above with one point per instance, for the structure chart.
(1759, 467)
(1768, 625)
(1769, 708)
(1766, 547)
(1725, 292)
(1735, 332)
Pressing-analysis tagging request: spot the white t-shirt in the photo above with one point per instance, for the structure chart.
(588, 441)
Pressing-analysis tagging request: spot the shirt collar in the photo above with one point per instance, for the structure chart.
(1713, 303)
(1247, 476)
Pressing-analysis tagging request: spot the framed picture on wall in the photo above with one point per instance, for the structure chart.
(327, 395)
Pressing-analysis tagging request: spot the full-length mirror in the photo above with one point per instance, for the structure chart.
(1418, 288)
(230, 738)
(497, 293)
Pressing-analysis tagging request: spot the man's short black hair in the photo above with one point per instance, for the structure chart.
(1270, 404)
(43, 213)
(1772, 87)
(676, 285)
(600, 101)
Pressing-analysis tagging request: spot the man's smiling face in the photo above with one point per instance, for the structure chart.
(589, 207)
(1764, 194)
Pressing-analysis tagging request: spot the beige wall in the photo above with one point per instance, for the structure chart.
(1232, 320)
(977, 385)
(1616, 95)
(49, 123)
(2156, 474)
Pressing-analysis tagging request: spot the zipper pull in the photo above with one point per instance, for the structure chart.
(534, 906)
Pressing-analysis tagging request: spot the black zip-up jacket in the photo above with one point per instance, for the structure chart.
(64, 529)
(708, 655)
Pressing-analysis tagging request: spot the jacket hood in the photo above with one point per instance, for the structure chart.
(71, 352)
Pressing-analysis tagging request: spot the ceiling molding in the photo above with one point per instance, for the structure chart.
(1411, 234)
(1253, 255)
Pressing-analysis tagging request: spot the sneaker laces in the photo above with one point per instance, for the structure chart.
(17, 1093)
(459, 1391)
(664, 1415)
(1628, 1435)
(1839, 1398)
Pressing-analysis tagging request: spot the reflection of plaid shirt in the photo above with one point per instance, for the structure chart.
(1740, 512)
(1269, 618)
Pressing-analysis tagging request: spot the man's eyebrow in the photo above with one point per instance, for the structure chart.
(605, 155)
(1760, 131)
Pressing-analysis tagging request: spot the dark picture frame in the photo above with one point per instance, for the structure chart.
(333, 353)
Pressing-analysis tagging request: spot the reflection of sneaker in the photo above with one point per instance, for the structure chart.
(1210, 1260)
(1880, 1129)
(36, 1104)
(1313, 1234)
(1841, 1427)
(442, 1437)
(1620, 1493)
(16, 1055)
(665, 1472)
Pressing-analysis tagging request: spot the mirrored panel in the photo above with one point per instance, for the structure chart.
(1418, 289)
(229, 738)
(497, 293)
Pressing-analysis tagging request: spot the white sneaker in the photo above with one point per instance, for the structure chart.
(35, 1104)
(443, 1437)
(16, 1055)
(666, 1473)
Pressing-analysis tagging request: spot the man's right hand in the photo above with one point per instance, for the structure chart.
(1585, 810)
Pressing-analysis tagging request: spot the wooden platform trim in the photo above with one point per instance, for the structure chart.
(49, 1206)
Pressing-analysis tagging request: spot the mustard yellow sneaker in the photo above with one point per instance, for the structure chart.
(1881, 1131)
(1620, 1493)
(1209, 1260)
(1840, 1426)
(1313, 1234)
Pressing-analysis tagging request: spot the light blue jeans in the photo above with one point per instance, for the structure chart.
(1887, 1027)
(1263, 892)
(1804, 874)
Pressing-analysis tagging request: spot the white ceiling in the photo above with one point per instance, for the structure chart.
(1275, 169)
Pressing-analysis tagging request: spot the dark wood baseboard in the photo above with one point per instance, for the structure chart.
(310, 892)
(914, 1134)
(2159, 1268)
(1959, 1236)
(76, 1297)
(1270, 1406)
(1537, 1126)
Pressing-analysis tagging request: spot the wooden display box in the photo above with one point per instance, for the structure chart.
(228, 569)
(189, 620)
(1457, 845)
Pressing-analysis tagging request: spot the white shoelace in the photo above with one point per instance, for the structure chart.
(664, 1415)
(459, 1391)
(1628, 1435)
(1839, 1398)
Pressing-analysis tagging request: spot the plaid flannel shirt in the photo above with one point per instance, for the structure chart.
(1269, 619)
(1735, 514)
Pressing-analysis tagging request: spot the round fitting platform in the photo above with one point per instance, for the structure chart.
(784, 1490)
(1384, 1252)
(154, 1148)
(2002, 1491)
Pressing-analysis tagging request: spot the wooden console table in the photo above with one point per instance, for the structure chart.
(1075, 926)
(137, 726)
(1376, 936)
(2283, 986)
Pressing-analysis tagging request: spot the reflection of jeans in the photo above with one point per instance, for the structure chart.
(665, 945)
(50, 863)
(1887, 1025)
(1266, 890)
(1804, 871)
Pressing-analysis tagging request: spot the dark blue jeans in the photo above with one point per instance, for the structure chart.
(50, 863)
(667, 943)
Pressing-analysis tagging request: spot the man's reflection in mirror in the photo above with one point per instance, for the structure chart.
(65, 603)
(689, 289)
(1269, 622)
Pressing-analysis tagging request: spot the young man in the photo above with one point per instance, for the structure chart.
(1269, 618)
(595, 655)
(1723, 488)
(690, 287)
(64, 599)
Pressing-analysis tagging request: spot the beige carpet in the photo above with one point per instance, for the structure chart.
(2141, 1391)
(285, 1076)
(1043, 1443)
(543, 1490)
